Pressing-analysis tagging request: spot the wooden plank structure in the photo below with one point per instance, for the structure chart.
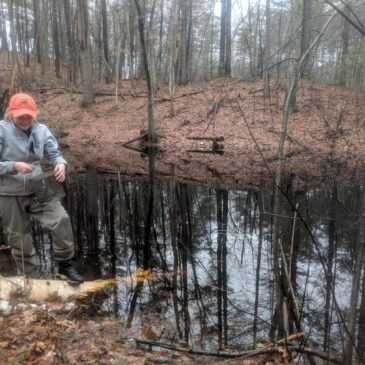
(212, 145)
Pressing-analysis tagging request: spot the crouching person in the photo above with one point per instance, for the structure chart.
(24, 143)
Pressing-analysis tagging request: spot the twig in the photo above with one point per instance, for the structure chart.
(178, 97)
(143, 135)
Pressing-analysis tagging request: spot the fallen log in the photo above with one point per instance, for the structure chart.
(41, 290)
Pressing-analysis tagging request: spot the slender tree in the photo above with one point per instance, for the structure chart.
(3, 30)
(267, 49)
(85, 52)
(71, 57)
(222, 42)
(104, 18)
(141, 23)
(56, 40)
(355, 290)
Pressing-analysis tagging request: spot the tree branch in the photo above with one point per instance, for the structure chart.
(360, 27)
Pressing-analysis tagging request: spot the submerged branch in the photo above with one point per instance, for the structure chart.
(245, 354)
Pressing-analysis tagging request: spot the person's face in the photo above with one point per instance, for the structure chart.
(24, 122)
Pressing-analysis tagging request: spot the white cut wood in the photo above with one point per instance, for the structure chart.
(42, 290)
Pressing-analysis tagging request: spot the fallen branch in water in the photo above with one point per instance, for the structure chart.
(244, 354)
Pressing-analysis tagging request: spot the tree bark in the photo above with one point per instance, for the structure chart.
(4, 36)
(104, 18)
(12, 30)
(228, 59)
(258, 266)
(37, 37)
(131, 40)
(306, 34)
(85, 52)
(26, 35)
(151, 126)
(267, 49)
(345, 35)
(332, 243)
(71, 59)
(351, 320)
(278, 173)
(56, 42)
(185, 38)
(222, 41)
(361, 329)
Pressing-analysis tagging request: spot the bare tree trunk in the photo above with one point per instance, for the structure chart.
(184, 251)
(345, 35)
(151, 126)
(71, 59)
(359, 261)
(222, 42)
(4, 36)
(26, 35)
(279, 167)
(117, 68)
(228, 59)
(149, 220)
(361, 329)
(173, 229)
(185, 37)
(258, 267)
(131, 41)
(12, 30)
(85, 52)
(107, 74)
(56, 43)
(19, 29)
(37, 31)
(222, 299)
(332, 243)
(160, 45)
(92, 210)
(306, 34)
(224, 266)
(98, 61)
(267, 49)
(172, 56)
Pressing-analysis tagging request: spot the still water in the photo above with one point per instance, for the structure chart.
(195, 263)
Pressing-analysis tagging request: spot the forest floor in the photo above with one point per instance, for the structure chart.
(324, 142)
(55, 334)
(324, 146)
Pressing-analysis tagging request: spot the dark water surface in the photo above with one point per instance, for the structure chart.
(195, 263)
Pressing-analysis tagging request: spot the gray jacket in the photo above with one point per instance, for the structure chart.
(16, 146)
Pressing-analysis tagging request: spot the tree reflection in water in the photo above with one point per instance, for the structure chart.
(206, 258)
